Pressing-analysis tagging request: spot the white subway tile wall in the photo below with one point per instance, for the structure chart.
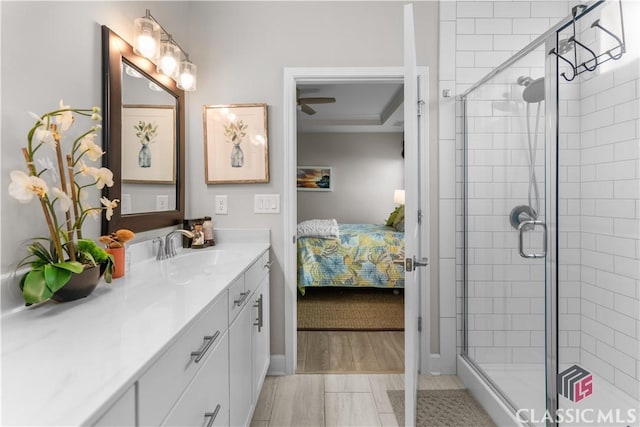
(599, 172)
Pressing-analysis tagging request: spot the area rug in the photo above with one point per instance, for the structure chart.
(339, 309)
(443, 408)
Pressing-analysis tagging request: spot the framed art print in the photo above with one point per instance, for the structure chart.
(236, 148)
(148, 144)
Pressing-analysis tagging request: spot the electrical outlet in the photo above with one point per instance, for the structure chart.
(221, 204)
(162, 203)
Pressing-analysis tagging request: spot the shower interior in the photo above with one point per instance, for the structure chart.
(542, 159)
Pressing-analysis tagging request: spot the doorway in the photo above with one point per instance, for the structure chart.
(293, 77)
(350, 304)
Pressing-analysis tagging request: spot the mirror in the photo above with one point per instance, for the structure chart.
(143, 134)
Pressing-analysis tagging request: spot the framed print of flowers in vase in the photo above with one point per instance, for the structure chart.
(148, 144)
(236, 148)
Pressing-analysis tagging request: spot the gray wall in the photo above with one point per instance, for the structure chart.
(366, 169)
(51, 50)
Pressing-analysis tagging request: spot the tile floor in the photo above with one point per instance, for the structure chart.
(335, 399)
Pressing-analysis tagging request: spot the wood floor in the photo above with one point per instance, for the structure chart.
(350, 351)
(335, 400)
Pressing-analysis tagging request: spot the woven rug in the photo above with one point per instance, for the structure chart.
(345, 309)
(443, 408)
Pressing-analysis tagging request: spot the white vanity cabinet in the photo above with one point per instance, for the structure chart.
(213, 372)
(121, 413)
(260, 341)
(161, 386)
(249, 342)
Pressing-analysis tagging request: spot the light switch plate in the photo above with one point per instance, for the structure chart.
(221, 204)
(266, 203)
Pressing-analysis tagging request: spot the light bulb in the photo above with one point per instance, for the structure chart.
(187, 76)
(146, 36)
(169, 59)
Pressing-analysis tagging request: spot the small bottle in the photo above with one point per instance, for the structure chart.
(207, 228)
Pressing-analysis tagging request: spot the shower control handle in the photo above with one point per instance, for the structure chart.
(531, 225)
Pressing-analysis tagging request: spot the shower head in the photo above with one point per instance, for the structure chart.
(534, 90)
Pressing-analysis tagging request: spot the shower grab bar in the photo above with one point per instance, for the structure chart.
(531, 225)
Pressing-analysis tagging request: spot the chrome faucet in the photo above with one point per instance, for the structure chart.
(167, 250)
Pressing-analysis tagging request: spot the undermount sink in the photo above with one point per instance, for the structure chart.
(190, 264)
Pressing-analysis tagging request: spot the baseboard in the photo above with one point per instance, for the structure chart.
(277, 365)
(434, 363)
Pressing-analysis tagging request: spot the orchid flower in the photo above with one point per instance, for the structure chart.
(109, 206)
(62, 198)
(64, 118)
(90, 148)
(23, 187)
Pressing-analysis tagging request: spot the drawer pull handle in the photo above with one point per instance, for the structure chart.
(267, 265)
(259, 321)
(209, 339)
(212, 415)
(240, 301)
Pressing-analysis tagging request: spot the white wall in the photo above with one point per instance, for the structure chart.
(367, 168)
(240, 48)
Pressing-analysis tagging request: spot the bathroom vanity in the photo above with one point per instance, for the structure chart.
(178, 342)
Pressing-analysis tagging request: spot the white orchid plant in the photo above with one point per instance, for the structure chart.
(61, 188)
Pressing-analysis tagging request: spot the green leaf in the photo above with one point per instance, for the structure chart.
(72, 266)
(35, 289)
(55, 277)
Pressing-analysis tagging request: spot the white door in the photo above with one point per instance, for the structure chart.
(416, 171)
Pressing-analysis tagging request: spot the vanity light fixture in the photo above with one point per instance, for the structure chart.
(152, 41)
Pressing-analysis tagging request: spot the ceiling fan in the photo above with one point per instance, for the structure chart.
(303, 102)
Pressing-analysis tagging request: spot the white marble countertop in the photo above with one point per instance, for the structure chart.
(64, 363)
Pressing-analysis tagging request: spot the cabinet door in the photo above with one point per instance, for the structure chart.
(260, 336)
(206, 399)
(122, 413)
(240, 367)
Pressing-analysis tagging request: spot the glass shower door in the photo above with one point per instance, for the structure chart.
(505, 232)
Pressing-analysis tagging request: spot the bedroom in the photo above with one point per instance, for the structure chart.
(350, 302)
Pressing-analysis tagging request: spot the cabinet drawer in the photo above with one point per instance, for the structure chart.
(257, 272)
(207, 397)
(238, 297)
(163, 383)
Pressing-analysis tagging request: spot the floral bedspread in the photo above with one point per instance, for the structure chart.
(362, 256)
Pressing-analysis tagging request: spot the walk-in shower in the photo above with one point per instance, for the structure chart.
(552, 225)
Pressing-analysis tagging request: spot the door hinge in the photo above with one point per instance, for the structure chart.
(419, 216)
(294, 239)
(420, 107)
(419, 323)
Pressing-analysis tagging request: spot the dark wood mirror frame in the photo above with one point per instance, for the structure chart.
(114, 49)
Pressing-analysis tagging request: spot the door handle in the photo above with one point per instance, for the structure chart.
(531, 225)
(411, 264)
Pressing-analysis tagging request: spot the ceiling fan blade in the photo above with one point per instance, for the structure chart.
(306, 109)
(321, 100)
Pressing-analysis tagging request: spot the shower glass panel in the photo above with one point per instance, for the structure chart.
(598, 255)
(505, 231)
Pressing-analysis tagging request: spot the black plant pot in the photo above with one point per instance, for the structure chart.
(80, 285)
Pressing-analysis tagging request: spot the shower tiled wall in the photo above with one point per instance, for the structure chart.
(600, 187)
(610, 216)
(475, 37)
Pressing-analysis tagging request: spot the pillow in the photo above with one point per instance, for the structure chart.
(398, 223)
(320, 228)
(392, 217)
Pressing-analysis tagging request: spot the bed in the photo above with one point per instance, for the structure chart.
(362, 255)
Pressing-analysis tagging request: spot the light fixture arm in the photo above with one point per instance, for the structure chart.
(148, 15)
